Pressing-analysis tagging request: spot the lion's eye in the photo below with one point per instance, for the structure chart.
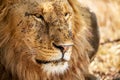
(67, 15)
(39, 16)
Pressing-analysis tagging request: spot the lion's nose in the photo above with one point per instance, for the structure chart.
(62, 48)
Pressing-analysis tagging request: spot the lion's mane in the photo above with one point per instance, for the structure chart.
(85, 38)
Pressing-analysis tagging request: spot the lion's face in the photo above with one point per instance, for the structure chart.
(45, 31)
(46, 40)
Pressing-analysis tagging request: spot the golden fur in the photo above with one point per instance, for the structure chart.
(29, 27)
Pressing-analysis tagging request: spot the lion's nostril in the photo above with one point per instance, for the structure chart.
(63, 48)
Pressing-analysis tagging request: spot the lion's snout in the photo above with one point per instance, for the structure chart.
(63, 48)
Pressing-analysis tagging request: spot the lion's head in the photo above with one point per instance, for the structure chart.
(46, 39)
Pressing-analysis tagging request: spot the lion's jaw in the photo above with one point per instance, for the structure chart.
(45, 31)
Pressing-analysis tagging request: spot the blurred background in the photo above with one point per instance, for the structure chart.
(106, 65)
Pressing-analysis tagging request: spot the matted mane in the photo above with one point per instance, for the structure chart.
(83, 47)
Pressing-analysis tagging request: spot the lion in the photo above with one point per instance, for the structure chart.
(46, 40)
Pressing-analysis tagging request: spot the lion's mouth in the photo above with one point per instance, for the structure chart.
(52, 61)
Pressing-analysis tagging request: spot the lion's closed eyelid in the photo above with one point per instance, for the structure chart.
(67, 15)
(39, 16)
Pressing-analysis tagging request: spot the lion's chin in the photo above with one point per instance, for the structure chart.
(53, 68)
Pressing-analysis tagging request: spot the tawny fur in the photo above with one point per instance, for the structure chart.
(16, 62)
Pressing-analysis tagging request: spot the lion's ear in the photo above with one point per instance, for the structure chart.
(3, 9)
(2, 5)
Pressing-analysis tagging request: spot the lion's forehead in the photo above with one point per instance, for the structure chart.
(59, 7)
